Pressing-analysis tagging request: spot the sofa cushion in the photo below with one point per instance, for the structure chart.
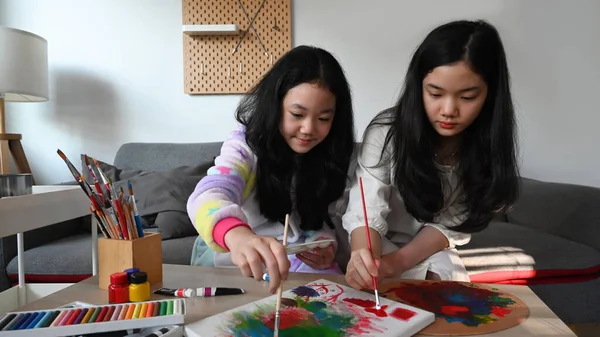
(567, 210)
(506, 252)
(161, 196)
(69, 260)
(66, 260)
(178, 251)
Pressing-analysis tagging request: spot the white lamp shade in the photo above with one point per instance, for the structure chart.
(23, 66)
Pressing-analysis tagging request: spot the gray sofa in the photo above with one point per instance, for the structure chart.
(551, 240)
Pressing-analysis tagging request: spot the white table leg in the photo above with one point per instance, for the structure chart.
(94, 247)
(21, 266)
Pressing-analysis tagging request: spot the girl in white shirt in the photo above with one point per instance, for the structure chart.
(440, 164)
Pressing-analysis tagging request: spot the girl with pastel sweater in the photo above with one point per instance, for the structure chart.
(289, 156)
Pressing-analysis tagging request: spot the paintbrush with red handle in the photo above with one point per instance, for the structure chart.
(362, 193)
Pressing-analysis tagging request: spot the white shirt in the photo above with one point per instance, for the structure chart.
(385, 209)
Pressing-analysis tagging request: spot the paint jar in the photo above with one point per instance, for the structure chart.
(131, 271)
(139, 287)
(118, 290)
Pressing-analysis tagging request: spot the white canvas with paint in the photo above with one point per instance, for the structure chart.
(318, 308)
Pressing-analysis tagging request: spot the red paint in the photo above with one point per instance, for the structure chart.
(360, 302)
(290, 317)
(402, 314)
(379, 312)
(453, 310)
(118, 290)
(500, 312)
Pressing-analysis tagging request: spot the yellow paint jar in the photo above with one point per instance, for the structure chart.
(139, 287)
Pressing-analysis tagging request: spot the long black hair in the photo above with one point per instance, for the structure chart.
(318, 177)
(487, 169)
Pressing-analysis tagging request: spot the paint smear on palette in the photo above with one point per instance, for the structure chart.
(460, 308)
(321, 308)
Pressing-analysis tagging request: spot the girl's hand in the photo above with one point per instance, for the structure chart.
(361, 269)
(359, 276)
(250, 252)
(318, 258)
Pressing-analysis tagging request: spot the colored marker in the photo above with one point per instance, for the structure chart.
(58, 318)
(136, 312)
(143, 310)
(24, 323)
(123, 312)
(73, 316)
(265, 277)
(50, 319)
(156, 311)
(66, 318)
(16, 321)
(36, 320)
(4, 322)
(150, 309)
(115, 315)
(170, 308)
(42, 320)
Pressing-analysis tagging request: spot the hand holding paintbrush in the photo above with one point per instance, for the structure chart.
(362, 193)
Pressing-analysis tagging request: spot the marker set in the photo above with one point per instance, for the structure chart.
(93, 319)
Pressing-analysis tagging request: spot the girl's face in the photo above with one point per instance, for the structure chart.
(453, 96)
(307, 115)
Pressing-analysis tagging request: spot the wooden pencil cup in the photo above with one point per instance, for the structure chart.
(118, 255)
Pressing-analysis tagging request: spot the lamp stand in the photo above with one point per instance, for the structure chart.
(10, 143)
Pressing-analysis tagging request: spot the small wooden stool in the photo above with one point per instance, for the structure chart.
(10, 143)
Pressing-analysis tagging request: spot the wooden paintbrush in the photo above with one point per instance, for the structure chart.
(362, 193)
(280, 289)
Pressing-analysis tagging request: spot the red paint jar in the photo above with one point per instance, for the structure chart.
(118, 290)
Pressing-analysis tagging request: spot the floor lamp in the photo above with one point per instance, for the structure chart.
(23, 78)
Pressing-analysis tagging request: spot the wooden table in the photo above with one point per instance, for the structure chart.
(541, 322)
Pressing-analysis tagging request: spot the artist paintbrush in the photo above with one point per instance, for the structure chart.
(136, 214)
(101, 223)
(121, 217)
(94, 179)
(104, 179)
(96, 202)
(81, 181)
(280, 289)
(362, 193)
(78, 177)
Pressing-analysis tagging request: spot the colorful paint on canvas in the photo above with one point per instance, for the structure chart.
(460, 308)
(321, 308)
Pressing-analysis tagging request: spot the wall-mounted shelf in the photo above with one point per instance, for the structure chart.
(211, 29)
(260, 32)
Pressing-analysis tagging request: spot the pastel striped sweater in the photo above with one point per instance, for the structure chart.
(226, 198)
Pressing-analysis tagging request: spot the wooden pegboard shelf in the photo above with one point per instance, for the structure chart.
(211, 29)
(210, 64)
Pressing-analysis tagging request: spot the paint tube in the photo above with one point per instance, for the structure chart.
(181, 292)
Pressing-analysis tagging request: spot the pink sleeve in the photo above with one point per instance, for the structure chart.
(223, 226)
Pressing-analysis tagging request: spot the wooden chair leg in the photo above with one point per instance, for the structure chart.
(4, 157)
(16, 148)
